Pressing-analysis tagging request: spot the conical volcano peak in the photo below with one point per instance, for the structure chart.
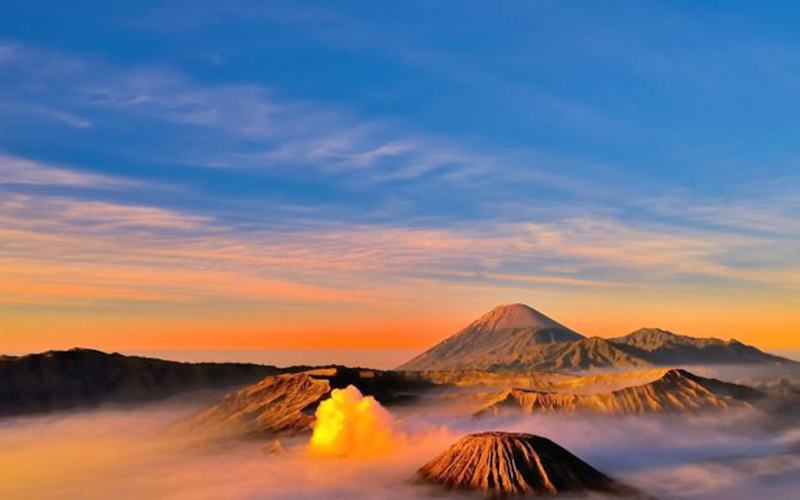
(500, 464)
(503, 336)
(512, 316)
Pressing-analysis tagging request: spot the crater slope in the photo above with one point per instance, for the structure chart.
(501, 464)
(671, 390)
(284, 405)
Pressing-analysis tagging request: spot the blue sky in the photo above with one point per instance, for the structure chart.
(515, 149)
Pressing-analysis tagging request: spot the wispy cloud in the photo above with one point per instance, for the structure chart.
(256, 128)
(110, 251)
(252, 126)
(16, 170)
(764, 207)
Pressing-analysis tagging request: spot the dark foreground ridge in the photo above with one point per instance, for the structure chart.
(60, 380)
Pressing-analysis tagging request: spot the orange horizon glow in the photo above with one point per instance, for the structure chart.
(104, 286)
(185, 192)
(372, 329)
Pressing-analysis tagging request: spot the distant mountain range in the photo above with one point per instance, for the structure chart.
(517, 337)
(509, 340)
(58, 380)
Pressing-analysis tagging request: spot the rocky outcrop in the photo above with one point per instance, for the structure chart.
(500, 464)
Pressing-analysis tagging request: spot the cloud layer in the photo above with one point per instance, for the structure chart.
(127, 454)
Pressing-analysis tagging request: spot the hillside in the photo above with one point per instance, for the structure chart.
(664, 391)
(284, 404)
(280, 404)
(662, 347)
(58, 380)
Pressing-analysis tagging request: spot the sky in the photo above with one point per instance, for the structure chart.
(356, 174)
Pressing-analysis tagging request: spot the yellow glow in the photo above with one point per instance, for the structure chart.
(349, 424)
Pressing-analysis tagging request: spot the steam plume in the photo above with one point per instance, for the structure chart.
(351, 424)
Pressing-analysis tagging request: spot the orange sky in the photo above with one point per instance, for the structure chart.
(408, 323)
(187, 283)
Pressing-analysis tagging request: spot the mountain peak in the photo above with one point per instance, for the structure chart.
(654, 331)
(504, 335)
(513, 316)
(501, 464)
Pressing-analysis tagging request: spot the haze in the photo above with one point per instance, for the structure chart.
(124, 453)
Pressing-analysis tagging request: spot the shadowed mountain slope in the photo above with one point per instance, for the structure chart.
(662, 347)
(57, 380)
(584, 354)
(501, 464)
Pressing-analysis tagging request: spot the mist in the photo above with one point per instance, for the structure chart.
(126, 453)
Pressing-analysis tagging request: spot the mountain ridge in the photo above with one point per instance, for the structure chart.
(79, 377)
(520, 338)
(663, 347)
(674, 390)
(284, 404)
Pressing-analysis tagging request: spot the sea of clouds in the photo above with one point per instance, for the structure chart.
(130, 453)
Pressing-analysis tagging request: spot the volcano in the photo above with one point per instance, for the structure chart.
(285, 405)
(519, 338)
(497, 337)
(501, 464)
